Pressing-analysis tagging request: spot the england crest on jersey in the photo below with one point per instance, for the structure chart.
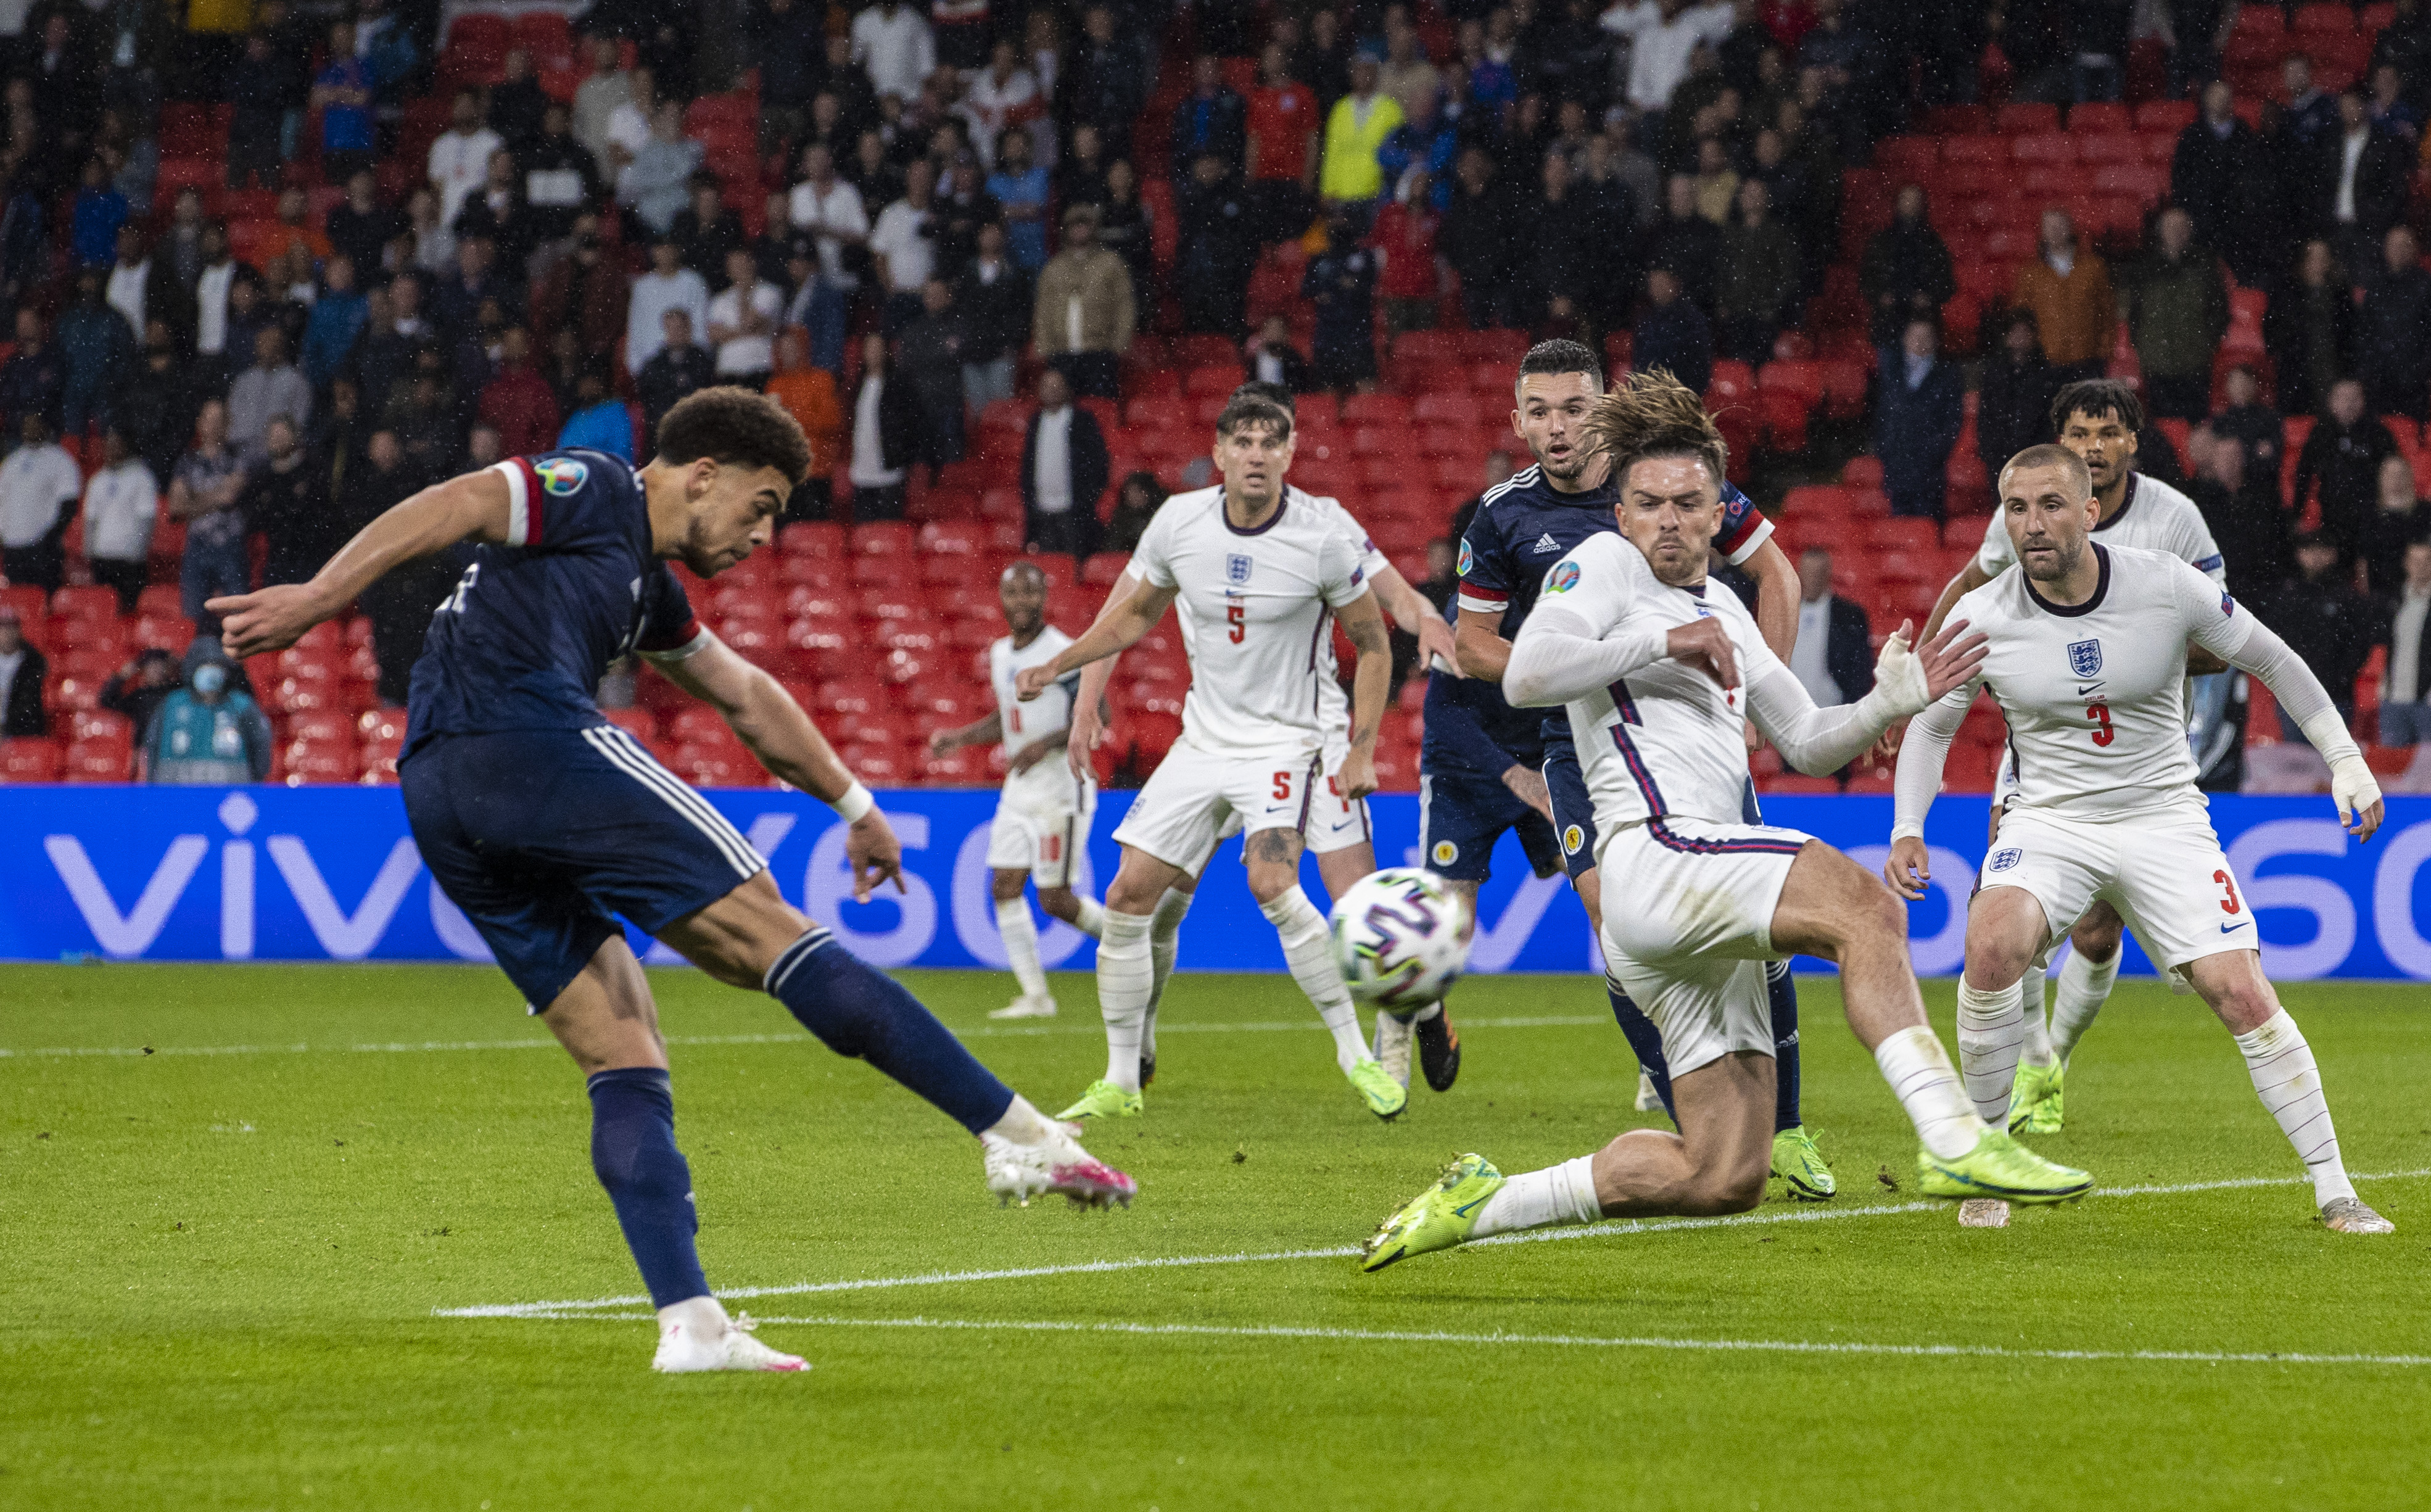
(1236, 569)
(2085, 656)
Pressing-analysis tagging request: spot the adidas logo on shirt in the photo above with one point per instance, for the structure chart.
(1546, 543)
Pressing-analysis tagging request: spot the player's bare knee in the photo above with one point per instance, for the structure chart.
(1992, 965)
(2096, 939)
(1006, 885)
(1059, 904)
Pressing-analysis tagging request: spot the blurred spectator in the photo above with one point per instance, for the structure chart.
(138, 687)
(517, 103)
(2405, 706)
(830, 210)
(929, 360)
(2246, 420)
(629, 123)
(1281, 149)
(705, 231)
(339, 316)
(2392, 336)
(668, 288)
(1716, 182)
(1833, 655)
(1021, 190)
(258, 89)
(2358, 181)
(808, 395)
(341, 91)
(208, 733)
(1684, 243)
(285, 501)
(894, 44)
(599, 97)
(2326, 622)
(559, 175)
(1064, 471)
(1135, 505)
(2343, 455)
(2177, 310)
(2312, 112)
(1083, 319)
(94, 218)
(886, 436)
(1759, 287)
(1080, 172)
(743, 323)
(1665, 35)
(1360, 123)
(1271, 357)
(2013, 403)
(1907, 270)
(904, 243)
(994, 300)
(2240, 501)
(1498, 472)
(459, 160)
(1917, 418)
(39, 484)
(121, 498)
(2309, 329)
(1217, 249)
(203, 493)
(1405, 233)
(963, 205)
(2212, 174)
(585, 290)
(2404, 45)
(97, 344)
(271, 386)
(2068, 287)
(35, 380)
(600, 420)
(1341, 282)
(359, 227)
(1107, 85)
(23, 667)
(1004, 96)
(1479, 241)
(132, 281)
(434, 244)
(657, 182)
(1123, 229)
(679, 366)
(1673, 334)
(1405, 73)
(518, 400)
(160, 399)
(2400, 518)
(1210, 119)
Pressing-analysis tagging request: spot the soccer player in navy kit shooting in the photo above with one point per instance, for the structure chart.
(541, 820)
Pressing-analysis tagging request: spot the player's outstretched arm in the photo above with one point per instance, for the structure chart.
(1089, 710)
(1477, 647)
(781, 736)
(1364, 624)
(1116, 630)
(1908, 867)
(1817, 741)
(985, 731)
(1559, 657)
(473, 506)
(1411, 611)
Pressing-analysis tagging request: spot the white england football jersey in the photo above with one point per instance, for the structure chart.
(1667, 739)
(1255, 609)
(1049, 779)
(2094, 693)
(2153, 518)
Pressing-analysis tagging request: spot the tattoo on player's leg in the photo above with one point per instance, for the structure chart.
(1273, 845)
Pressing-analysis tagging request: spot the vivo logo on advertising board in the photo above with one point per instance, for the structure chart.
(331, 874)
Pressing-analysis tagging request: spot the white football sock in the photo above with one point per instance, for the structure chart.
(1092, 921)
(2290, 1085)
(702, 1318)
(1558, 1194)
(1124, 979)
(1164, 942)
(1992, 1031)
(2036, 1048)
(1020, 933)
(1919, 1070)
(1308, 949)
(2084, 986)
(1022, 1123)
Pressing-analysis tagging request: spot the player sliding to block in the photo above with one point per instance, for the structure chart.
(1263, 575)
(2087, 658)
(1650, 662)
(542, 820)
(1042, 817)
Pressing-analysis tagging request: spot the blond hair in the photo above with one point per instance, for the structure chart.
(1651, 413)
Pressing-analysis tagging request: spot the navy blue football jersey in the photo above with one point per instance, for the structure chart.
(522, 641)
(1522, 526)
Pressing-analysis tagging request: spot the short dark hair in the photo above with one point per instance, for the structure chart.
(737, 427)
(1254, 409)
(2097, 397)
(2049, 454)
(1560, 357)
(1278, 392)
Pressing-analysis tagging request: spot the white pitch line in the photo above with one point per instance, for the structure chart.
(1760, 1346)
(976, 1032)
(1592, 1231)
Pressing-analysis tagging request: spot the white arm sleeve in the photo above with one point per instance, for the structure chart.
(1819, 740)
(1922, 756)
(1559, 657)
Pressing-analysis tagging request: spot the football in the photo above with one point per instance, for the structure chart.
(1400, 938)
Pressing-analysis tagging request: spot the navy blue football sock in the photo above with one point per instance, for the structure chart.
(633, 1151)
(857, 1010)
(1646, 1041)
(1783, 993)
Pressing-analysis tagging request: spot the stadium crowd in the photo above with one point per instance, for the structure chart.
(275, 268)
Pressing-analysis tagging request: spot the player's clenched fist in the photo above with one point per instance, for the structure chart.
(1908, 868)
(1358, 775)
(1031, 682)
(271, 620)
(1703, 642)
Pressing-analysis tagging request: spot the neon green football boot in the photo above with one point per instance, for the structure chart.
(1105, 1101)
(1797, 1162)
(2000, 1166)
(1385, 1097)
(2035, 1099)
(1442, 1215)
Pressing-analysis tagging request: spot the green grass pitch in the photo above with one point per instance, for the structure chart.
(226, 1261)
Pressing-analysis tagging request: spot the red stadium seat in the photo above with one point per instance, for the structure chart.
(893, 538)
(1376, 410)
(29, 761)
(1212, 380)
(2087, 120)
(96, 761)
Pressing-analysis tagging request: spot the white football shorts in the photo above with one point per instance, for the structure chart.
(1195, 798)
(1042, 839)
(2164, 871)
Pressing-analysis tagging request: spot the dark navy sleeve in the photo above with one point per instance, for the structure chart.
(1451, 722)
(1485, 567)
(1743, 527)
(562, 499)
(669, 629)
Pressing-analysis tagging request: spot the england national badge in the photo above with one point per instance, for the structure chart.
(1236, 569)
(2084, 658)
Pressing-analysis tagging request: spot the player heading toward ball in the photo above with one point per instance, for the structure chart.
(1262, 574)
(543, 821)
(1658, 675)
(2087, 657)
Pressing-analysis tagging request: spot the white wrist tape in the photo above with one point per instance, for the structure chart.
(854, 802)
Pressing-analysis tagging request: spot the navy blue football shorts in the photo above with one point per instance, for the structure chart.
(541, 836)
(1574, 813)
(1461, 814)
